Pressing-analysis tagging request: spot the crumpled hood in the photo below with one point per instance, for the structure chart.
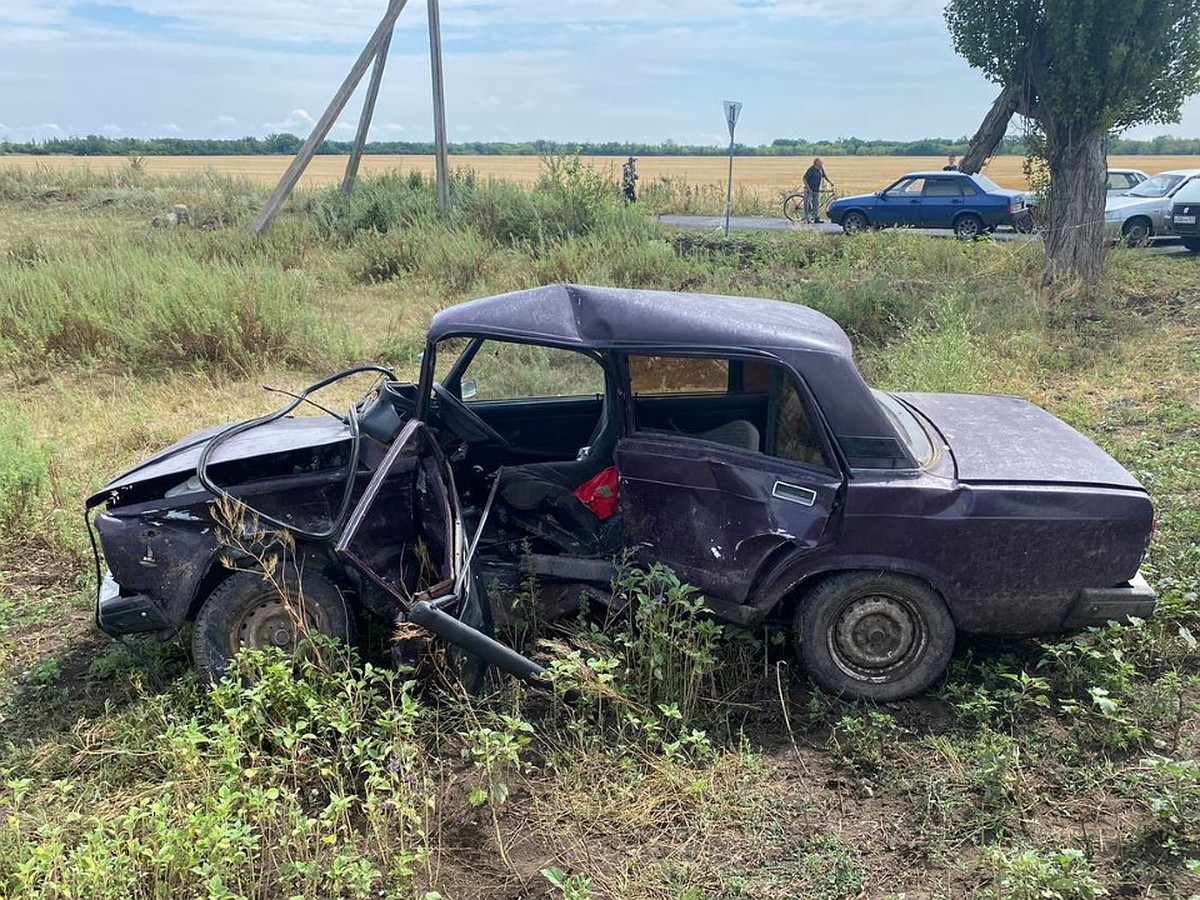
(1006, 439)
(181, 457)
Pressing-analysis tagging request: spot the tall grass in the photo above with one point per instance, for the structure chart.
(147, 310)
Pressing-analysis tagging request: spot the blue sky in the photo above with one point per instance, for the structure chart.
(639, 70)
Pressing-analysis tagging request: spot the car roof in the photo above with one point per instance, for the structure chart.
(575, 315)
(1185, 172)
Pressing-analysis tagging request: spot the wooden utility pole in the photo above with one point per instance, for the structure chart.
(364, 121)
(439, 108)
(381, 34)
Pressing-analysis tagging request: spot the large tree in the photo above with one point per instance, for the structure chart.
(1080, 70)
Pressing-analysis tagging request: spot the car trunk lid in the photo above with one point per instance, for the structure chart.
(1006, 439)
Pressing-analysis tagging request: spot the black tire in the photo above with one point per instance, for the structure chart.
(854, 222)
(877, 636)
(248, 610)
(1023, 223)
(968, 226)
(1137, 231)
(793, 207)
(1192, 243)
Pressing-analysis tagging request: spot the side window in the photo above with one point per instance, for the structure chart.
(909, 187)
(508, 371)
(678, 375)
(749, 405)
(942, 187)
(796, 434)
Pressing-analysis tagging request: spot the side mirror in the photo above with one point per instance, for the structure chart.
(469, 389)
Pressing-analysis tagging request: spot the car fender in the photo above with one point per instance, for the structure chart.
(785, 579)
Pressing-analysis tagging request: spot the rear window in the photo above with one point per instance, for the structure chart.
(907, 426)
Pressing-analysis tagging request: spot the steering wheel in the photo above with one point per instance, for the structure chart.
(459, 418)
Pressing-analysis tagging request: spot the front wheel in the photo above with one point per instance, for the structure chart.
(854, 222)
(793, 207)
(1192, 243)
(877, 636)
(250, 610)
(968, 226)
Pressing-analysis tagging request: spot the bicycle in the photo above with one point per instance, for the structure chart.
(793, 203)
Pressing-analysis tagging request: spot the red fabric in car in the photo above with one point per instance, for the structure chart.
(599, 493)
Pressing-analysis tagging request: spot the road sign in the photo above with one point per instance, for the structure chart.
(733, 108)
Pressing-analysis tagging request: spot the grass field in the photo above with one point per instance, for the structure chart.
(700, 764)
(758, 176)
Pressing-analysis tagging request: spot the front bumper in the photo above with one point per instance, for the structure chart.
(118, 615)
(1099, 606)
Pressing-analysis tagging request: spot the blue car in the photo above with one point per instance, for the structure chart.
(969, 204)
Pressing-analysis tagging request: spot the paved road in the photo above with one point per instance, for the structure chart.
(762, 223)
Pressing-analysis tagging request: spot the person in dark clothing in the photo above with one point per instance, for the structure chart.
(813, 177)
(951, 164)
(629, 179)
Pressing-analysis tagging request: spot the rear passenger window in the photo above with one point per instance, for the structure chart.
(942, 188)
(749, 405)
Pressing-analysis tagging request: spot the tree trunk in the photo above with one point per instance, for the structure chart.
(1074, 230)
(991, 132)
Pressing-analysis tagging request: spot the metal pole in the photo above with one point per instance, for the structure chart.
(439, 108)
(368, 110)
(321, 129)
(729, 192)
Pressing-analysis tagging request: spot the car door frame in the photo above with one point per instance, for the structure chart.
(956, 206)
(771, 480)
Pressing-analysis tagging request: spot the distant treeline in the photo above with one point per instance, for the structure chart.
(289, 144)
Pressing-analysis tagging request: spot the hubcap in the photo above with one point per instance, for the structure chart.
(271, 623)
(876, 633)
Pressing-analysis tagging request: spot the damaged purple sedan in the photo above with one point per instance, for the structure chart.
(560, 429)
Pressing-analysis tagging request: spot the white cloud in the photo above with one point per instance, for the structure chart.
(297, 119)
(223, 120)
(112, 130)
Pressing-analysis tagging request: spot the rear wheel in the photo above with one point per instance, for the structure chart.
(854, 222)
(968, 226)
(874, 635)
(1137, 232)
(793, 207)
(248, 610)
(1023, 223)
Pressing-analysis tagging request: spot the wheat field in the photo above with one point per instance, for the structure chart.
(765, 177)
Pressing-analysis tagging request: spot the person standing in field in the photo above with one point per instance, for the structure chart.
(629, 179)
(813, 177)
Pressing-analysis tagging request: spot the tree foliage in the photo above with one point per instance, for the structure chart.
(1097, 65)
(1080, 70)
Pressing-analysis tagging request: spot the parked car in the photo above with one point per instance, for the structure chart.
(1185, 212)
(969, 204)
(1122, 181)
(1144, 214)
(559, 429)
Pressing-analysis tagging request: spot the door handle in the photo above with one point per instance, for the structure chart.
(794, 493)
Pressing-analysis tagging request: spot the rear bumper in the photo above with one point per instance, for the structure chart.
(118, 615)
(1099, 606)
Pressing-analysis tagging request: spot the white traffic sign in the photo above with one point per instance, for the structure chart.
(733, 108)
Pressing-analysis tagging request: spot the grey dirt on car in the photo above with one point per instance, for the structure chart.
(560, 429)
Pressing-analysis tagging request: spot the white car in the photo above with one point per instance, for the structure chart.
(1144, 214)
(1122, 181)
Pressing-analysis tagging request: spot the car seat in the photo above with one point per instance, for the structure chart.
(540, 497)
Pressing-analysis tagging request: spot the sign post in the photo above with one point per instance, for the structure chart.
(733, 109)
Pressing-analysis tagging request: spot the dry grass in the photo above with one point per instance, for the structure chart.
(762, 176)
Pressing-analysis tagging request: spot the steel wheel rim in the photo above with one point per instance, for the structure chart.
(854, 223)
(271, 622)
(968, 228)
(877, 636)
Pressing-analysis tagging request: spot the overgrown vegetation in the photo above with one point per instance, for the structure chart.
(697, 762)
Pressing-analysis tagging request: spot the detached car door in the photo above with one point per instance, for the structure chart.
(718, 504)
(405, 534)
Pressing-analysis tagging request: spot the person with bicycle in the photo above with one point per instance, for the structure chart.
(813, 177)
